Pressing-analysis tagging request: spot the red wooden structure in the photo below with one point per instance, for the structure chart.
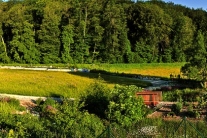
(151, 98)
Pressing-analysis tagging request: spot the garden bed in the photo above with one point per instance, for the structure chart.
(164, 111)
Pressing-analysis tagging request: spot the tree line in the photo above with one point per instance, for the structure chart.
(99, 31)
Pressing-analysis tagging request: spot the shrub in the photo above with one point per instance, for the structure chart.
(125, 108)
(70, 121)
(44, 108)
(176, 108)
(171, 114)
(191, 112)
(96, 100)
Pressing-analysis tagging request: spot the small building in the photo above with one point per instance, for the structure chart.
(151, 98)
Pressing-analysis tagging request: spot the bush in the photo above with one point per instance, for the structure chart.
(176, 108)
(125, 108)
(96, 100)
(70, 121)
(171, 114)
(191, 112)
(45, 108)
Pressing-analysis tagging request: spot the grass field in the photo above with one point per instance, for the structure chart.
(151, 69)
(44, 83)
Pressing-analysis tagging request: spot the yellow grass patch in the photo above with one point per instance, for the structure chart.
(45, 83)
(42, 83)
(162, 72)
(149, 69)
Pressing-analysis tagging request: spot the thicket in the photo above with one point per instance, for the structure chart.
(98, 31)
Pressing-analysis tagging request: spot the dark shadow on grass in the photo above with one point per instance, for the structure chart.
(114, 78)
(56, 95)
(136, 79)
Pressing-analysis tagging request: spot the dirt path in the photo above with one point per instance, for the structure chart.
(21, 97)
(29, 101)
(26, 101)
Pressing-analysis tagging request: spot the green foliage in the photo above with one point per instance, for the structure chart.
(119, 106)
(49, 32)
(196, 68)
(24, 125)
(190, 108)
(9, 105)
(47, 107)
(142, 53)
(69, 121)
(91, 31)
(125, 108)
(154, 27)
(96, 100)
(167, 56)
(3, 49)
(191, 112)
(186, 95)
(176, 108)
(67, 40)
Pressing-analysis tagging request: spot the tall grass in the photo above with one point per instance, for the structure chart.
(10, 105)
(6, 108)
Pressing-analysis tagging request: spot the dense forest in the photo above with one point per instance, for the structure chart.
(99, 31)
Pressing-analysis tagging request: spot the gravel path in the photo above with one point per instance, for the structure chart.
(34, 68)
(30, 98)
(45, 69)
(21, 97)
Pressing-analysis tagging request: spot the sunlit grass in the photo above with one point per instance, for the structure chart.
(63, 84)
(41, 83)
(10, 105)
(151, 69)
(6, 108)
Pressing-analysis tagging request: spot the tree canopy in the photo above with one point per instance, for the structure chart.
(104, 31)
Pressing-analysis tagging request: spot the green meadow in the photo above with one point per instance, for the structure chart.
(149, 69)
(62, 84)
(73, 84)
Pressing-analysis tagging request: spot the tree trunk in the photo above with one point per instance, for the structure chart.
(5, 50)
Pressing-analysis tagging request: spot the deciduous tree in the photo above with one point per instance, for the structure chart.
(196, 68)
